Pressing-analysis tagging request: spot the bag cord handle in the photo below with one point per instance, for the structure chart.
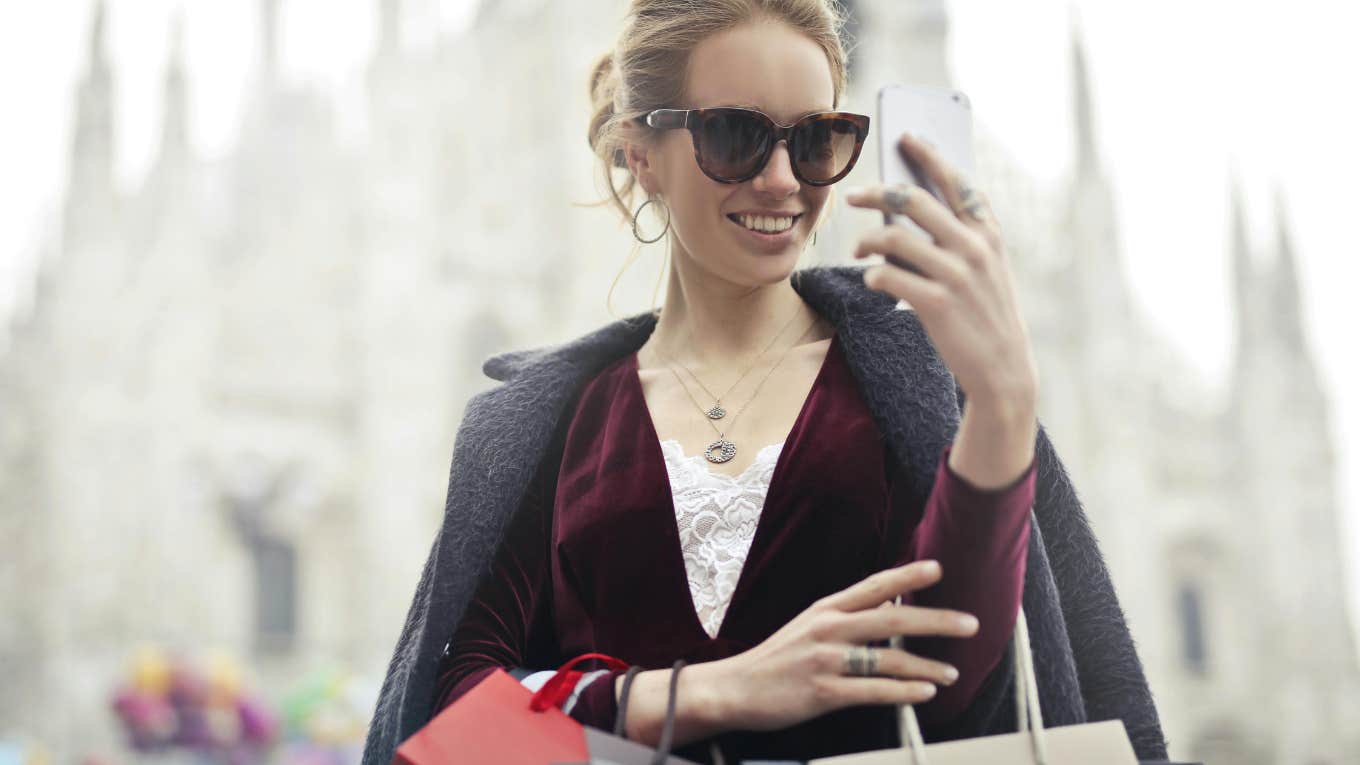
(663, 748)
(1028, 716)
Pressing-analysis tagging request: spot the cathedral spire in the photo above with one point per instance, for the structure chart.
(930, 31)
(389, 29)
(1246, 308)
(1284, 281)
(1087, 160)
(89, 193)
(269, 40)
(1091, 226)
(898, 40)
(174, 124)
(98, 50)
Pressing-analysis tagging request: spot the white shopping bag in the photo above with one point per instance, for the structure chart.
(1105, 742)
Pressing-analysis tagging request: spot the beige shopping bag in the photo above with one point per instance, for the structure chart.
(1104, 742)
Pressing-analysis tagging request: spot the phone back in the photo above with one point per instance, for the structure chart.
(940, 116)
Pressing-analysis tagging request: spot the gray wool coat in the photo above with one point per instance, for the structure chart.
(508, 446)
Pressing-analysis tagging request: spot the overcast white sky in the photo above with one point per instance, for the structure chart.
(1183, 89)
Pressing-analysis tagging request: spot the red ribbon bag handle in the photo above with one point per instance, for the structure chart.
(555, 692)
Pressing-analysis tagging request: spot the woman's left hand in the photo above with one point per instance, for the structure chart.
(966, 297)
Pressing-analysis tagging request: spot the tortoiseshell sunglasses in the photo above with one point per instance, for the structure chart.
(732, 144)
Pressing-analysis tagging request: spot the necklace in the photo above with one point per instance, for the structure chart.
(716, 412)
(725, 449)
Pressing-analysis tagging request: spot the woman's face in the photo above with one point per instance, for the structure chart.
(770, 67)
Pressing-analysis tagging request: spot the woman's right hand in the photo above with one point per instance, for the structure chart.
(799, 672)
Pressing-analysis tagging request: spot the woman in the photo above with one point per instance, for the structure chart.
(607, 499)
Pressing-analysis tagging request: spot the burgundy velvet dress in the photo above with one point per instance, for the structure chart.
(604, 572)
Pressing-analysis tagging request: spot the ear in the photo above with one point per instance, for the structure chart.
(642, 158)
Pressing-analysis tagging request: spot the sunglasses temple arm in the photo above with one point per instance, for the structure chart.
(666, 119)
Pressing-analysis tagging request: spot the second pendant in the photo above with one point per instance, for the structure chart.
(726, 450)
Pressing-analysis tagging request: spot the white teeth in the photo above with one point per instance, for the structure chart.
(766, 223)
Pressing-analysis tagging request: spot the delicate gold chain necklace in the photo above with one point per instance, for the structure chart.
(726, 450)
(716, 412)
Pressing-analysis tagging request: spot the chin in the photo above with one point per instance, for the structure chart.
(765, 269)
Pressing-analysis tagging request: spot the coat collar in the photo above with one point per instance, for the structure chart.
(906, 385)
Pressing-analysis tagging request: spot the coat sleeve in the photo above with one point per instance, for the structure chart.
(451, 575)
(508, 624)
(508, 611)
(385, 729)
(1109, 673)
(1112, 679)
(403, 704)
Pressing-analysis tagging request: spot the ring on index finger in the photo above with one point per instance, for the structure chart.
(861, 660)
(895, 198)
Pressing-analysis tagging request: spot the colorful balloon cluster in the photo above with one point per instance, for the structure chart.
(168, 704)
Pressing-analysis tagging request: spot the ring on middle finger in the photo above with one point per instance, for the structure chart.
(976, 210)
(970, 202)
(895, 198)
(861, 660)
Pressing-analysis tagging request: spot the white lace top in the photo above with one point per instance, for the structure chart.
(716, 515)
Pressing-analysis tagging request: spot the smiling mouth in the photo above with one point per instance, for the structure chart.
(735, 218)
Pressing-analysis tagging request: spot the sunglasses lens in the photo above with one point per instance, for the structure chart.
(730, 144)
(825, 147)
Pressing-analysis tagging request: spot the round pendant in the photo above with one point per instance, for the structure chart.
(716, 413)
(726, 450)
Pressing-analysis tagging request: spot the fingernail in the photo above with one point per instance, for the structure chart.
(968, 622)
(951, 674)
(854, 191)
(932, 567)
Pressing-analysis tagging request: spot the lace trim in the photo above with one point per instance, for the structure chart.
(716, 515)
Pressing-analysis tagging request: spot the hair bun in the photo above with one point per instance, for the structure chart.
(603, 80)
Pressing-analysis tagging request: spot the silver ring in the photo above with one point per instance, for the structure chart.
(895, 197)
(861, 660)
(971, 203)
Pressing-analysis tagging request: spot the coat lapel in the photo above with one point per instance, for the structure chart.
(907, 387)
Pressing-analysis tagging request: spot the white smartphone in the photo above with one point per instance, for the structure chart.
(940, 116)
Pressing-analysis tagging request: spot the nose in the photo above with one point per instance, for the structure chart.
(777, 178)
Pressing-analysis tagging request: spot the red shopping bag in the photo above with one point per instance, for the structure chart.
(500, 721)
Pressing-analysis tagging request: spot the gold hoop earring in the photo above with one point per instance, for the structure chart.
(638, 212)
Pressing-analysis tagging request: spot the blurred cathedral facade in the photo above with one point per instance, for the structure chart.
(228, 413)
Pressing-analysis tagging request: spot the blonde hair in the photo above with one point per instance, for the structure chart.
(649, 65)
